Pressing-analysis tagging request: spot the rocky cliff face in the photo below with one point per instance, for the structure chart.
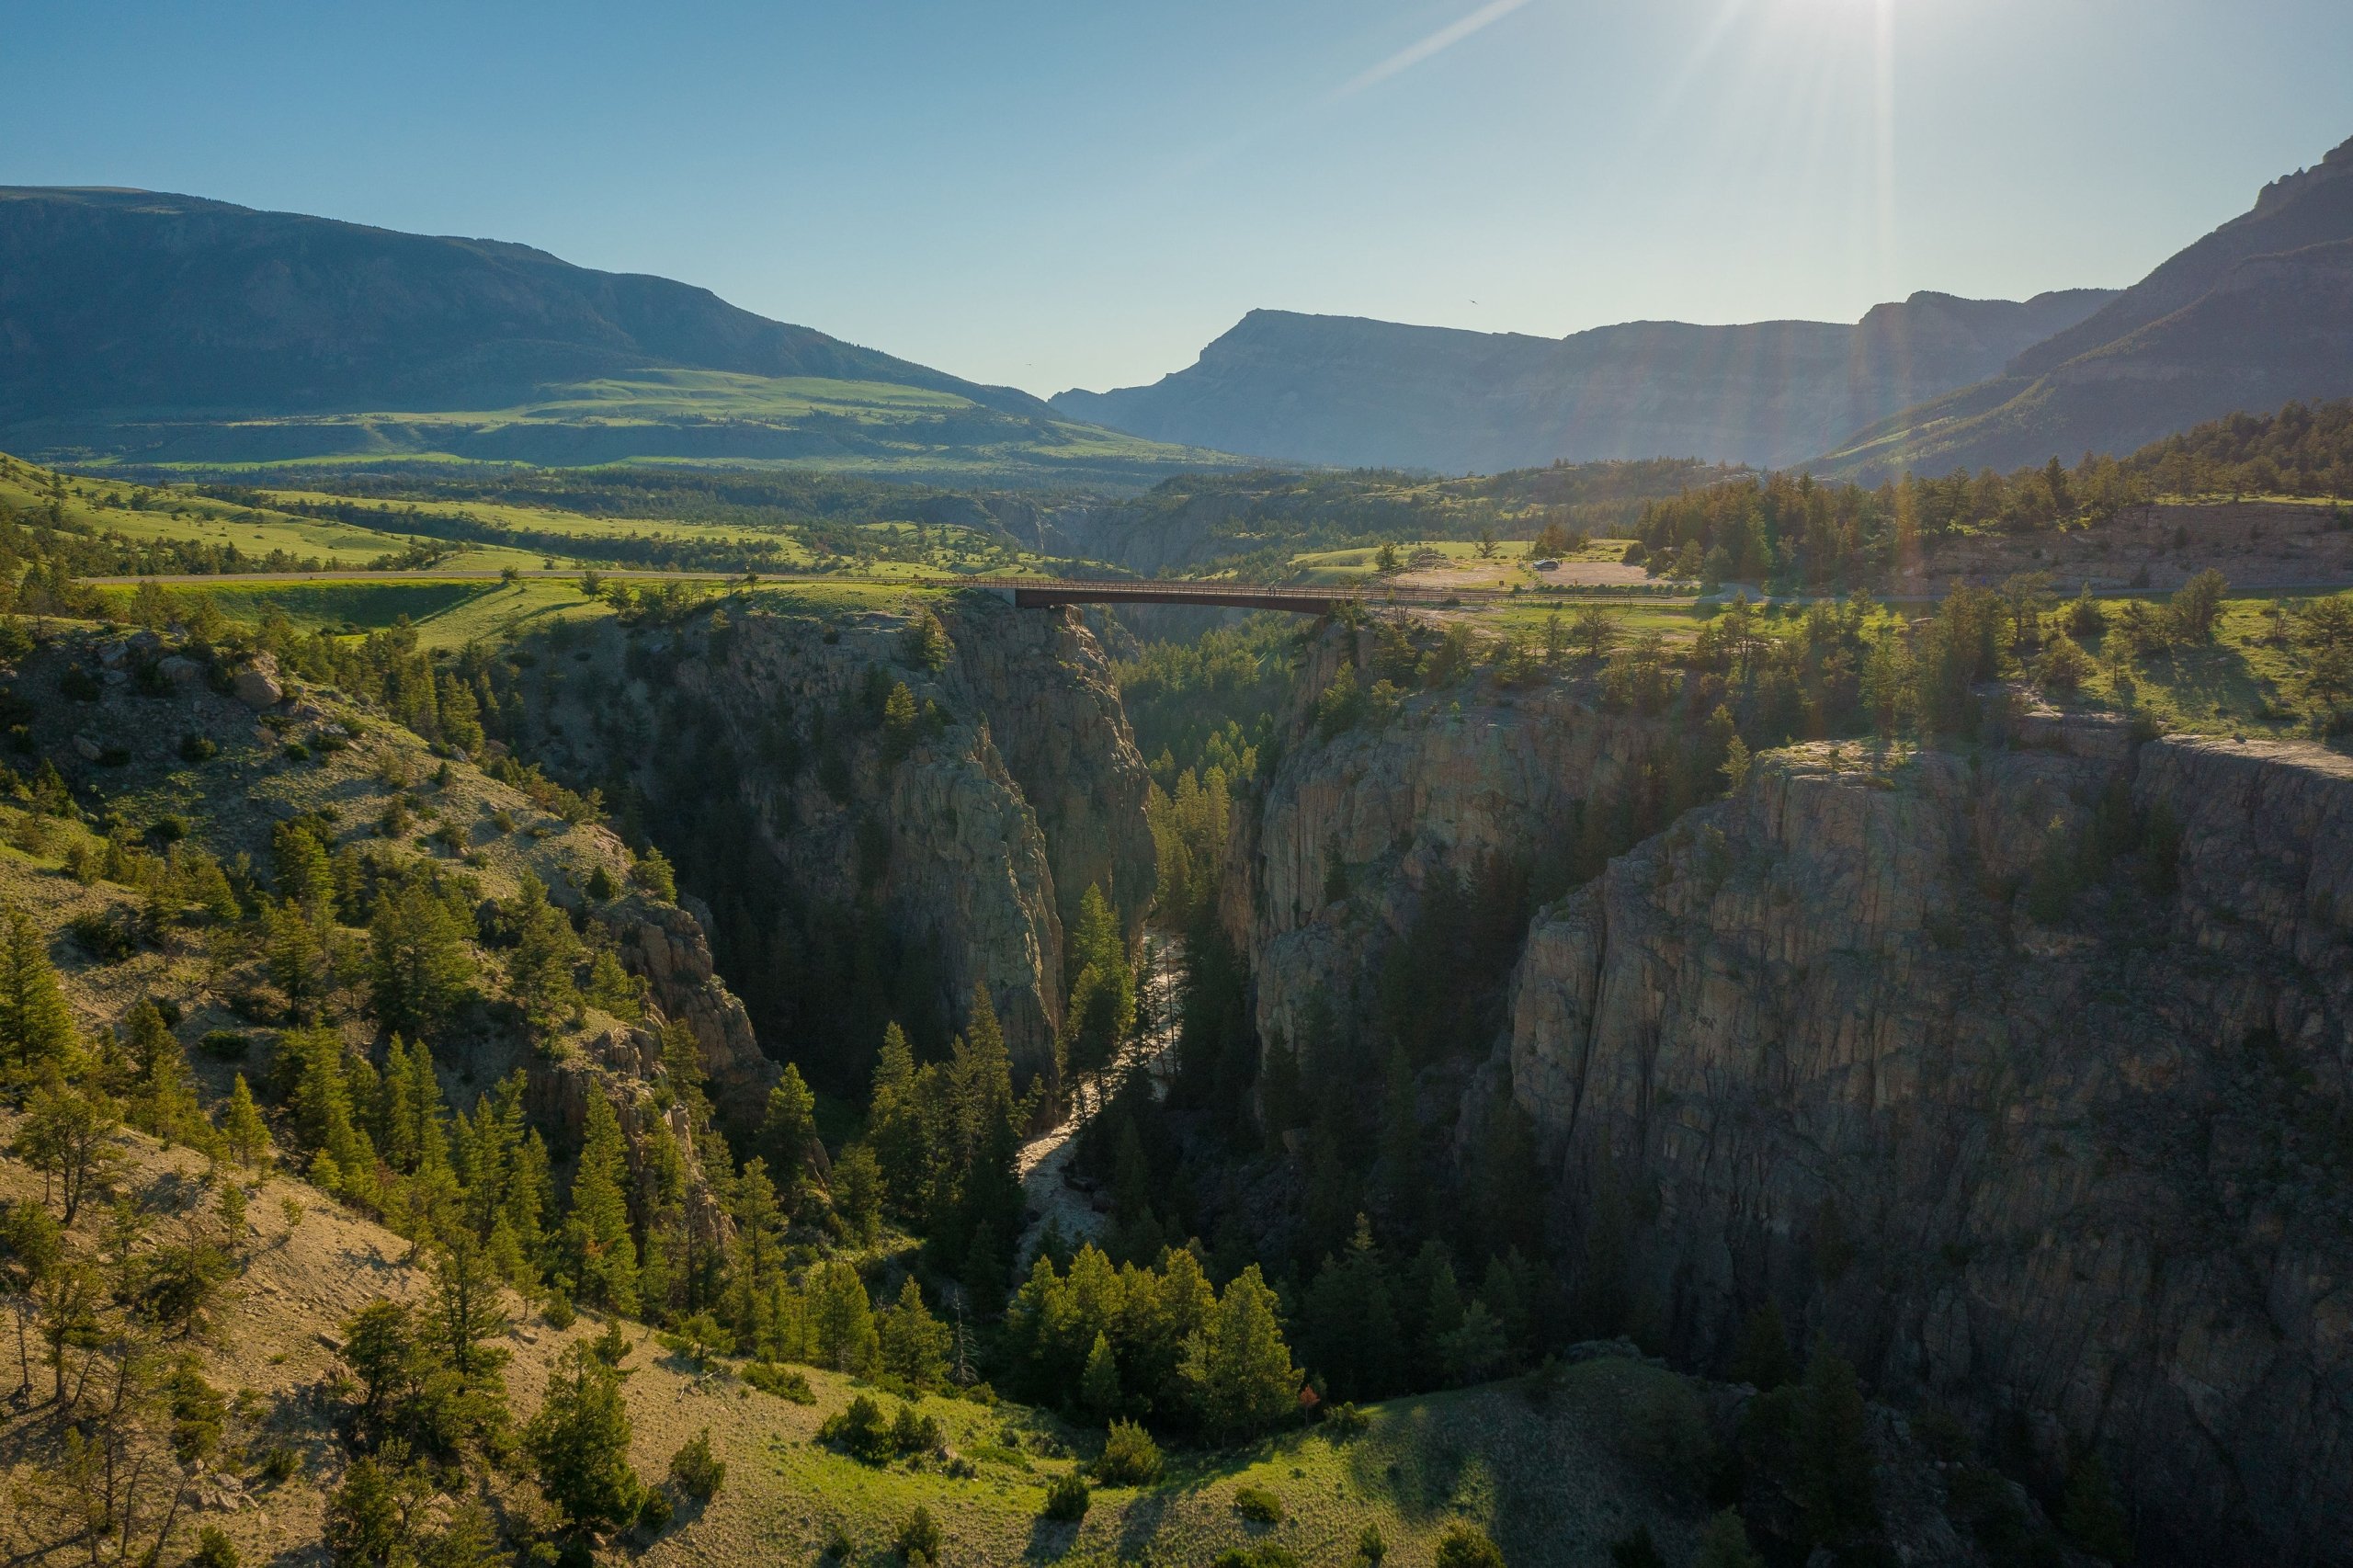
(2089, 1170)
(970, 833)
(1452, 779)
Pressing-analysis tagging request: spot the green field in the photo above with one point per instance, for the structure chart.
(451, 612)
(673, 416)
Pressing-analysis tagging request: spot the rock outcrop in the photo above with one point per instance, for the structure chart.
(1054, 715)
(1856, 1041)
(1440, 785)
(971, 826)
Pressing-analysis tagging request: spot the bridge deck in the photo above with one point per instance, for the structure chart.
(1048, 592)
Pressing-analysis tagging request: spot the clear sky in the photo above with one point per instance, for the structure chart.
(1050, 194)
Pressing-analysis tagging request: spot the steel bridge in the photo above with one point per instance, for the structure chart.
(1052, 593)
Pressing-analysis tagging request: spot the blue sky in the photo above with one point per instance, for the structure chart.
(1052, 194)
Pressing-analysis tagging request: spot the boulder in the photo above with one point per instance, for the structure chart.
(257, 684)
(179, 669)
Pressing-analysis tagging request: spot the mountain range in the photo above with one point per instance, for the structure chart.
(175, 329)
(2254, 315)
(1348, 391)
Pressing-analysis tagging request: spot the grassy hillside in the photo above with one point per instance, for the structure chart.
(656, 416)
(139, 334)
(1552, 1472)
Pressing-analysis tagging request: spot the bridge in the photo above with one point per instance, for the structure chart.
(1052, 593)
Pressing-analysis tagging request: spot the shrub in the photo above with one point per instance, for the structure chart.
(196, 748)
(2063, 665)
(278, 1463)
(225, 1045)
(1067, 1498)
(918, 1540)
(214, 1549)
(862, 1431)
(558, 1312)
(782, 1382)
(698, 1472)
(1345, 1419)
(1467, 1545)
(80, 685)
(168, 829)
(1372, 1546)
(1258, 1505)
(656, 1511)
(107, 941)
(915, 1434)
(1130, 1456)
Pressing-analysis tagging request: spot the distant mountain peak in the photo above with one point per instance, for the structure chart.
(1353, 391)
(2255, 314)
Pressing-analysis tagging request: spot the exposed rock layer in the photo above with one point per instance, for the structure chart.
(976, 832)
(2090, 1171)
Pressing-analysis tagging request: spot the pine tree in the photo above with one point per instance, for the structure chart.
(539, 971)
(1098, 1386)
(418, 970)
(1101, 1006)
(1237, 1369)
(843, 1320)
(1349, 1322)
(789, 1127)
(894, 1120)
(602, 1259)
(1837, 1473)
(913, 1342)
(36, 1025)
(163, 1095)
(580, 1443)
(242, 1127)
(1761, 1355)
(305, 878)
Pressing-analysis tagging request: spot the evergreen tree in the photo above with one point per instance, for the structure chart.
(896, 1130)
(1237, 1368)
(418, 969)
(547, 950)
(1098, 1386)
(858, 1189)
(242, 1128)
(36, 1025)
(913, 1344)
(1836, 1470)
(305, 878)
(579, 1441)
(1761, 1355)
(1349, 1323)
(2090, 1516)
(788, 1129)
(163, 1095)
(602, 1259)
(843, 1320)
(1101, 1006)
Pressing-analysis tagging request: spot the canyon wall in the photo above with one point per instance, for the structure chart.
(2088, 1170)
(972, 831)
(1446, 780)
